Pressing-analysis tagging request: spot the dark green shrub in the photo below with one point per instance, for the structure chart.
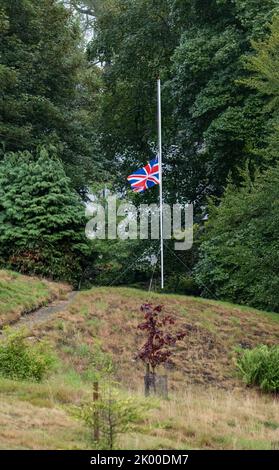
(182, 284)
(260, 367)
(239, 257)
(42, 229)
(22, 361)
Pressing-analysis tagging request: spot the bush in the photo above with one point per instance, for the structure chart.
(239, 257)
(116, 414)
(42, 218)
(22, 361)
(260, 367)
(181, 284)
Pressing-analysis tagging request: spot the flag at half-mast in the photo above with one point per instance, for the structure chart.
(145, 177)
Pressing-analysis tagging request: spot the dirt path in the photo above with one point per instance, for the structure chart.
(44, 313)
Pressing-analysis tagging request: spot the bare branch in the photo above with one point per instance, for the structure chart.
(83, 9)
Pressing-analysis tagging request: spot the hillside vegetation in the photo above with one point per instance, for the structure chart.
(209, 407)
(21, 294)
(108, 317)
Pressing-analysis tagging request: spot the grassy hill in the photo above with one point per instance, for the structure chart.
(205, 356)
(21, 294)
(209, 407)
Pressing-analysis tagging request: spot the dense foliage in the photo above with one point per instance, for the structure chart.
(212, 123)
(260, 367)
(42, 219)
(48, 99)
(240, 254)
(221, 123)
(216, 120)
(264, 77)
(239, 257)
(20, 360)
(45, 83)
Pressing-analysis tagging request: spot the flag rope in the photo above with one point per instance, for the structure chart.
(189, 270)
(155, 266)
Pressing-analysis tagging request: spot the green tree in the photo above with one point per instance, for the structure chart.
(212, 123)
(42, 221)
(45, 85)
(239, 257)
(264, 77)
(84, 7)
(133, 41)
(221, 124)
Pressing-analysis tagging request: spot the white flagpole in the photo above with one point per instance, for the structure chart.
(161, 179)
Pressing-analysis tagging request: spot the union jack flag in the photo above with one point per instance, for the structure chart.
(146, 177)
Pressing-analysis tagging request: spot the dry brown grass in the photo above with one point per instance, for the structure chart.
(206, 356)
(28, 426)
(38, 415)
(207, 418)
(22, 294)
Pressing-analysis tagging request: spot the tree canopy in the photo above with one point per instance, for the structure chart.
(239, 256)
(47, 87)
(212, 123)
(78, 110)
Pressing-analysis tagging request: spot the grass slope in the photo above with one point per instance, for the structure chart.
(208, 408)
(21, 294)
(109, 316)
(34, 416)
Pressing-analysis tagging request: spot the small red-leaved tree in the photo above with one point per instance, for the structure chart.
(156, 350)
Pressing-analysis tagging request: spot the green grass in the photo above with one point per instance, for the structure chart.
(21, 294)
(18, 291)
(37, 416)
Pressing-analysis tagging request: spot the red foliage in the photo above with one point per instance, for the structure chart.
(155, 350)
